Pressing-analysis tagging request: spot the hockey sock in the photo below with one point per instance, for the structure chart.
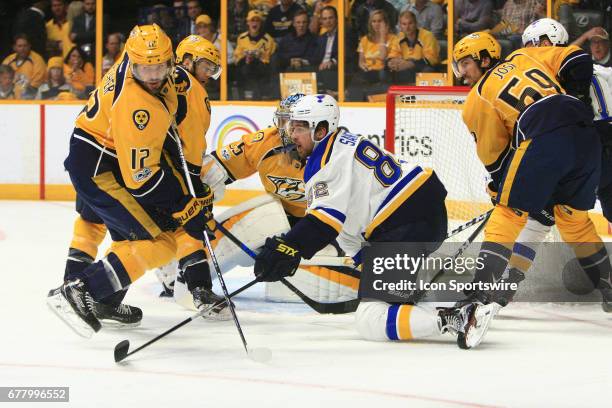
(86, 239)
(196, 270)
(126, 262)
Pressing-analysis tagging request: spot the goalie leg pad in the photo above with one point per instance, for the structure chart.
(260, 218)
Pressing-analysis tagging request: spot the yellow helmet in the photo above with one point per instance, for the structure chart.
(199, 48)
(473, 46)
(148, 45)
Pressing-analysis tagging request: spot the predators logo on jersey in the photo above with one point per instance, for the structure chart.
(141, 118)
(288, 188)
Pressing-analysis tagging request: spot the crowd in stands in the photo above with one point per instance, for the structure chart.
(386, 41)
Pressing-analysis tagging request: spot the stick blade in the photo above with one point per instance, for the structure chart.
(121, 350)
(260, 355)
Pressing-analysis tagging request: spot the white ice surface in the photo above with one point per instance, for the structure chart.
(534, 355)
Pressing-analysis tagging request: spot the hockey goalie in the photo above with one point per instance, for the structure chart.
(242, 230)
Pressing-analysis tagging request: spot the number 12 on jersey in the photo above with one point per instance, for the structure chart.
(138, 157)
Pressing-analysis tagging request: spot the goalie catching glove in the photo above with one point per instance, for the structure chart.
(196, 213)
(278, 259)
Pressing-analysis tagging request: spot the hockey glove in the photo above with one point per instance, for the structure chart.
(278, 259)
(195, 213)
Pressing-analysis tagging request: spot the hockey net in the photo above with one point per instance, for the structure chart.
(424, 126)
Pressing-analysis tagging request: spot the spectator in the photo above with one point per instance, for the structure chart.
(83, 31)
(295, 50)
(164, 17)
(31, 22)
(30, 68)
(262, 5)
(179, 9)
(279, 18)
(420, 50)
(473, 15)
(375, 48)
(430, 16)
(7, 85)
(56, 82)
(58, 30)
(362, 9)
(599, 45)
(315, 21)
(237, 19)
(194, 9)
(114, 47)
(79, 73)
(75, 9)
(325, 56)
(206, 29)
(252, 57)
(516, 15)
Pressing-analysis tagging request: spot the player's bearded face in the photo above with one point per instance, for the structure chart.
(152, 76)
(299, 132)
(469, 70)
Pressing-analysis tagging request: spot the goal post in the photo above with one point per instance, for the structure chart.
(424, 126)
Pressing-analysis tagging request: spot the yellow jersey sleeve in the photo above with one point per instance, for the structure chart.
(241, 158)
(489, 132)
(192, 116)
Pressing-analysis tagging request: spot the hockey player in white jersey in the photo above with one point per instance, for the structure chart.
(358, 192)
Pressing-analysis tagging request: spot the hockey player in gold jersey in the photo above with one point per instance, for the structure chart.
(265, 152)
(125, 178)
(536, 139)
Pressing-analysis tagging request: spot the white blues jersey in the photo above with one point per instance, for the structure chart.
(353, 186)
(601, 93)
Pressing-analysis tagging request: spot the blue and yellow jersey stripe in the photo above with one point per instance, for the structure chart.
(398, 322)
(320, 156)
(398, 195)
(329, 216)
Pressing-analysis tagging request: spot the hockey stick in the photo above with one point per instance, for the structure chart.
(419, 295)
(468, 224)
(260, 354)
(319, 307)
(122, 348)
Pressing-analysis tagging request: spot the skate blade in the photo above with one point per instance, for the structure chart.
(484, 315)
(62, 309)
(224, 316)
(113, 324)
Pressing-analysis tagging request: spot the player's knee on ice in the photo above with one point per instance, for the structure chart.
(379, 321)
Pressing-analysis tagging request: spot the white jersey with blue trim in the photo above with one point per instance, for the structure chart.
(353, 185)
(601, 93)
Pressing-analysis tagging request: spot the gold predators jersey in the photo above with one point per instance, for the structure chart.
(123, 117)
(500, 99)
(280, 174)
(192, 117)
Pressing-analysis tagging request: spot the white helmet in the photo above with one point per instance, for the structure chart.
(554, 30)
(315, 109)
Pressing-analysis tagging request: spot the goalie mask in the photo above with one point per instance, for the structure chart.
(281, 117)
